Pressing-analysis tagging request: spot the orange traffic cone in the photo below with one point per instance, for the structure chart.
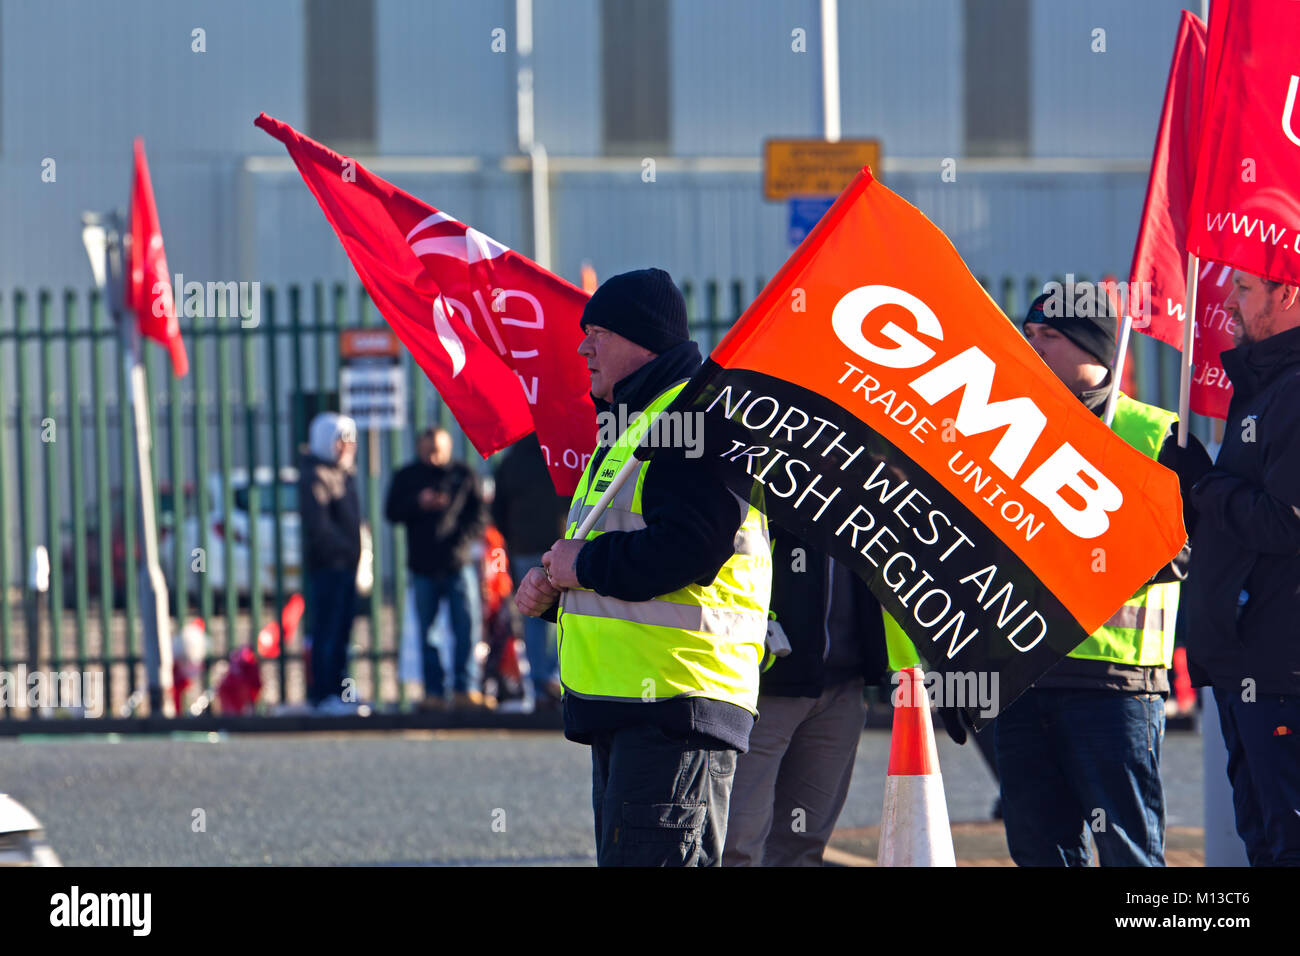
(914, 827)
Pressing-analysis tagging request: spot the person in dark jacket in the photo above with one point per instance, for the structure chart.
(441, 505)
(1243, 629)
(791, 785)
(331, 526)
(530, 516)
(663, 607)
(1078, 754)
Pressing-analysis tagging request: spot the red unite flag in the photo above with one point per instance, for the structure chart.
(148, 282)
(1246, 200)
(1159, 259)
(496, 334)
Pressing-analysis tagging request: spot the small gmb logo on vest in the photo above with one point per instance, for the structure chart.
(606, 476)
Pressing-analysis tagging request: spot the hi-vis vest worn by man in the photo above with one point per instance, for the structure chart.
(1142, 631)
(694, 642)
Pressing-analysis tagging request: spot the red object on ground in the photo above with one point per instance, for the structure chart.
(496, 334)
(912, 750)
(187, 658)
(148, 281)
(914, 828)
(240, 687)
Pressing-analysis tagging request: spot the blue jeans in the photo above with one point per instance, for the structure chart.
(1264, 769)
(464, 602)
(333, 596)
(539, 635)
(1071, 761)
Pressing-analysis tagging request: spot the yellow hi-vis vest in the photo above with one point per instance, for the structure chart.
(1142, 631)
(693, 642)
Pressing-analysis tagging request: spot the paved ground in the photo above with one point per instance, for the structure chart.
(441, 798)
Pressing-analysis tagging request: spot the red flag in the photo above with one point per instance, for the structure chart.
(1246, 199)
(1159, 259)
(148, 281)
(495, 332)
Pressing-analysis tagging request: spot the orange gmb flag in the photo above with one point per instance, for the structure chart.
(876, 402)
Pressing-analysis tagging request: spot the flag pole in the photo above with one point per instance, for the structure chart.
(1189, 339)
(830, 15)
(1121, 353)
(104, 239)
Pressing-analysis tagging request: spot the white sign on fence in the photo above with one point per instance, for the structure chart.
(372, 382)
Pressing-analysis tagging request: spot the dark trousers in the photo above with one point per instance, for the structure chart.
(1264, 769)
(333, 604)
(1073, 761)
(659, 799)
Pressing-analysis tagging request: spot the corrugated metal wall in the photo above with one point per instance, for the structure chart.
(128, 68)
(1099, 104)
(702, 225)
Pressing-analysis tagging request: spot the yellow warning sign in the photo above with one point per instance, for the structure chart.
(814, 167)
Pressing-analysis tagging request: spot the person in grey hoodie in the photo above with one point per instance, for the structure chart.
(331, 527)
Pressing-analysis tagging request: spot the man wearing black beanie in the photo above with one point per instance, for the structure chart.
(1079, 751)
(662, 609)
(1051, 320)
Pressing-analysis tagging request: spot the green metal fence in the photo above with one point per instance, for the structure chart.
(67, 473)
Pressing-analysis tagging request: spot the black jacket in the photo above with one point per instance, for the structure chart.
(1072, 673)
(331, 515)
(1244, 593)
(835, 633)
(437, 541)
(525, 508)
(691, 523)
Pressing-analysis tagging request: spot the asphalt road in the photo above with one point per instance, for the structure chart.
(428, 798)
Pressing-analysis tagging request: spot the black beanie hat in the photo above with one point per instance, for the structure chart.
(1096, 334)
(644, 307)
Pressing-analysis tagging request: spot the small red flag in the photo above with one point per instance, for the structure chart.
(1159, 259)
(148, 281)
(1246, 199)
(495, 332)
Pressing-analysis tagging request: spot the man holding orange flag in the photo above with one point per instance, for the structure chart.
(1080, 750)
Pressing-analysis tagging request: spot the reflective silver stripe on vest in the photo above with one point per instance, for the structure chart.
(616, 519)
(751, 541)
(1138, 618)
(683, 617)
(578, 515)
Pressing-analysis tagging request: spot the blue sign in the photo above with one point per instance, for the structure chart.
(806, 213)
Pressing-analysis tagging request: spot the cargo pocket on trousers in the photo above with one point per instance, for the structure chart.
(662, 834)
